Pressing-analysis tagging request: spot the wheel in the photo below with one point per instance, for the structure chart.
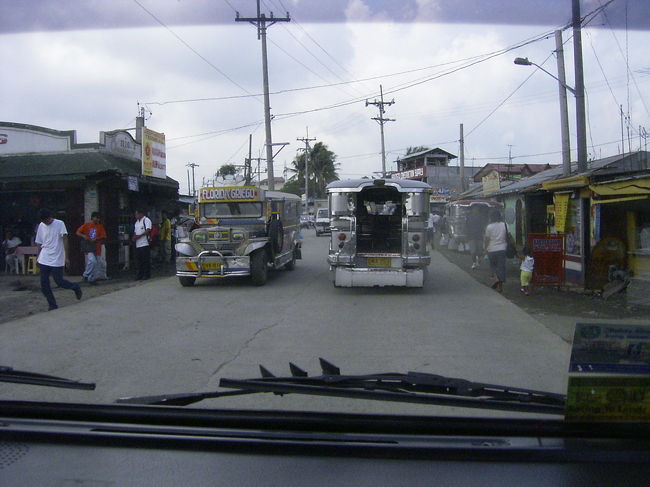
(291, 265)
(276, 235)
(259, 267)
(186, 281)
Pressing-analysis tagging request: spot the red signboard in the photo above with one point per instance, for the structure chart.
(548, 251)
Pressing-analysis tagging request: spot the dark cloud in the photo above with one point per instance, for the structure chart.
(38, 15)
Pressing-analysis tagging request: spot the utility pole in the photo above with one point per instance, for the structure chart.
(381, 120)
(564, 111)
(581, 119)
(247, 162)
(193, 165)
(261, 22)
(463, 186)
(306, 140)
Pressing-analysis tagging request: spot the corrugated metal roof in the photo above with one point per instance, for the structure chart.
(618, 164)
(69, 165)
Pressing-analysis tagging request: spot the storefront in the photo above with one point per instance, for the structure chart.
(74, 180)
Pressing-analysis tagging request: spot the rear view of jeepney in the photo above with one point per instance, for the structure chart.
(378, 232)
(244, 231)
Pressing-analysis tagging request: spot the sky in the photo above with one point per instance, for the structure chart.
(197, 73)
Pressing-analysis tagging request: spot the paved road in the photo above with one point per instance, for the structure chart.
(161, 337)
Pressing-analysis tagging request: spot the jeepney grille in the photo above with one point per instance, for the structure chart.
(224, 248)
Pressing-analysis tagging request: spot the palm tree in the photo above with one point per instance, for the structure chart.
(413, 150)
(322, 169)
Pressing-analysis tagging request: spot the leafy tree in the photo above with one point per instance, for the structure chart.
(227, 170)
(293, 186)
(322, 170)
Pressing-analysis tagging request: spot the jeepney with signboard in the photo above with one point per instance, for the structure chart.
(243, 231)
(378, 232)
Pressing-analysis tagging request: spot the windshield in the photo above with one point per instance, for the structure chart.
(227, 210)
(123, 121)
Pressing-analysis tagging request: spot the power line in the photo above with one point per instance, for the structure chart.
(180, 39)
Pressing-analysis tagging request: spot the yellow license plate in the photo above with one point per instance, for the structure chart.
(211, 266)
(378, 261)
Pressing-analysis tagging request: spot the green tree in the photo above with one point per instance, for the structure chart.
(322, 170)
(227, 170)
(293, 186)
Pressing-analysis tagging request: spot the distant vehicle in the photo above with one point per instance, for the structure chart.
(244, 231)
(322, 222)
(379, 232)
(456, 214)
(306, 221)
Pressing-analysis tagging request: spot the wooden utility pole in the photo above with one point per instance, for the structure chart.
(262, 23)
(581, 118)
(381, 120)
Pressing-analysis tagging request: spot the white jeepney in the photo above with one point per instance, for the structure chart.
(378, 232)
(244, 231)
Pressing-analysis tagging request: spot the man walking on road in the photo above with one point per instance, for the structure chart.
(92, 233)
(52, 241)
(141, 232)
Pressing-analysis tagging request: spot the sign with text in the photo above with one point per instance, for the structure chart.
(229, 194)
(416, 173)
(548, 251)
(609, 373)
(154, 159)
(561, 201)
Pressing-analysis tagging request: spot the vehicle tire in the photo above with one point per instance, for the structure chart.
(276, 235)
(259, 267)
(186, 281)
(291, 265)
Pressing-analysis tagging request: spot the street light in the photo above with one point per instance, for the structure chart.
(523, 61)
(564, 111)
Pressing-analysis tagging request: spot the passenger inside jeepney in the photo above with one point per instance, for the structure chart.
(379, 221)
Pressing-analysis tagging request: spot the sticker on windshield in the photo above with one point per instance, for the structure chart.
(609, 373)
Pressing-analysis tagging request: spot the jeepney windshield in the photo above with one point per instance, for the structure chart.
(231, 209)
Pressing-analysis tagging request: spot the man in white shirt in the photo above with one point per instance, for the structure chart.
(141, 232)
(9, 244)
(52, 241)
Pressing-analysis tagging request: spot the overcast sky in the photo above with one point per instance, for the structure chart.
(86, 68)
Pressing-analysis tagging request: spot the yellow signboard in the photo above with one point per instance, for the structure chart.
(561, 201)
(154, 158)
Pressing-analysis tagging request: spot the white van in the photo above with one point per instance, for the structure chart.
(322, 223)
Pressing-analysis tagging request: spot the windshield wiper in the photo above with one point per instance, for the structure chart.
(8, 374)
(412, 387)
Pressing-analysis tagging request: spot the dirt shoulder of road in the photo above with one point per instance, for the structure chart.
(558, 309)
(20, 295)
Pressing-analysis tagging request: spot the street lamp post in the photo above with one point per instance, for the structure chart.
(564, 111)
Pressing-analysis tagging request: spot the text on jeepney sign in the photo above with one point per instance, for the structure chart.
(238, 193)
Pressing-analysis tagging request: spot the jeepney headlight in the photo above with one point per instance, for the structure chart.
(200, 237)
(236, 236)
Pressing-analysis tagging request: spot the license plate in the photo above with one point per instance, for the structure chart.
(211, 266)
(378, 261)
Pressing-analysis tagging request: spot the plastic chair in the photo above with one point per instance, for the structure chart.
(32, 265)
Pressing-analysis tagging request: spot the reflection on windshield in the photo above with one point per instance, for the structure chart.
(225, 210)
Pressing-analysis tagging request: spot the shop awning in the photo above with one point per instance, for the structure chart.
(621, 200)
(566, 183)
(621, 188)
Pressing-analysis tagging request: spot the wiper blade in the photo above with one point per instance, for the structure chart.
(183, 399)
(8, 374)
(412, 387)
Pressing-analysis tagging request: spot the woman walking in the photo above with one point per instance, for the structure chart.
(496, 243)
